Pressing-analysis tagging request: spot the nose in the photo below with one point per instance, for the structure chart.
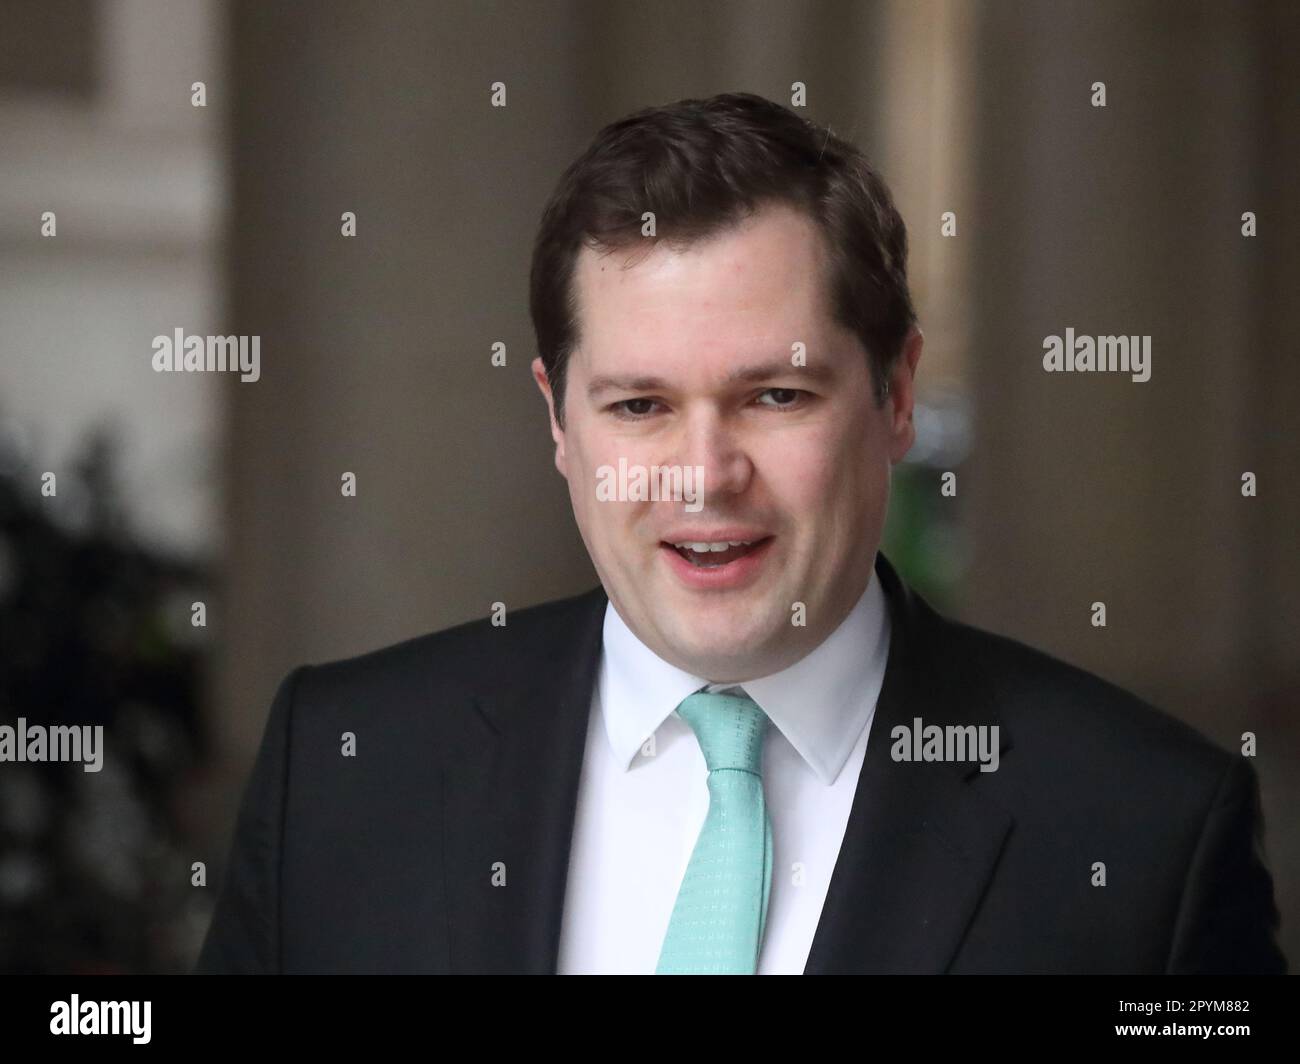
(715, 445)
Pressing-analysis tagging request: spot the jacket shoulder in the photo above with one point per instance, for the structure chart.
(1069, 713)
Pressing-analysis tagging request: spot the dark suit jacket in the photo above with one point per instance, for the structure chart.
(469, 744)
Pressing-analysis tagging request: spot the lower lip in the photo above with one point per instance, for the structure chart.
(742, 571)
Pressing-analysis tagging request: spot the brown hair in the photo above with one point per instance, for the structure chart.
(702, 166)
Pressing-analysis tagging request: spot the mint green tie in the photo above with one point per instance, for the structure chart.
(717, 923)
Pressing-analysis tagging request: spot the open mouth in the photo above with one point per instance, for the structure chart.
(716, 555)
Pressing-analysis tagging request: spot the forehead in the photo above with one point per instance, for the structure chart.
(763, 280)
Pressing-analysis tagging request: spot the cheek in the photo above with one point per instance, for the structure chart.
(801, 479)
(830, 477)
(587, 451)
(590, 450)
(810, 473)
(606, 524)
(580, 472)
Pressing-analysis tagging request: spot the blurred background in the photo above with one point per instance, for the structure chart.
(225, 218)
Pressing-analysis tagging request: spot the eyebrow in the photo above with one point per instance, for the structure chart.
(818, 373)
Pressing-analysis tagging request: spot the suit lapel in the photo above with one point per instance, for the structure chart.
(921, 842)
(510, 788)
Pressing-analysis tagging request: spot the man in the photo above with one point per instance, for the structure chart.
(754, 748)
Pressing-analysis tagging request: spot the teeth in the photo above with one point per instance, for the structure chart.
(705, 548)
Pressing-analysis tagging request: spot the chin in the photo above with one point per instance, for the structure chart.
(731, 658)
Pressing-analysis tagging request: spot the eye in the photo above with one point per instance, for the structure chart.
(784, 398)
(632, 409)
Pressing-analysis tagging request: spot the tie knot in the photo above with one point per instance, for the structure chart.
(730, 729)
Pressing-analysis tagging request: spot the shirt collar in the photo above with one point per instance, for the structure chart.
(820, 704)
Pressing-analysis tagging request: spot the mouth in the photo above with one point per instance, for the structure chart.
(714, 565)
(715, 554)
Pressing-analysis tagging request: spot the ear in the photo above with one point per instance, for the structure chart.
(901, 398)
(557, 433)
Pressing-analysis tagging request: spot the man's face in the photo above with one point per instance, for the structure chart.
(688, 359)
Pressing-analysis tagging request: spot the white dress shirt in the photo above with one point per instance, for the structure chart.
(643, 794)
